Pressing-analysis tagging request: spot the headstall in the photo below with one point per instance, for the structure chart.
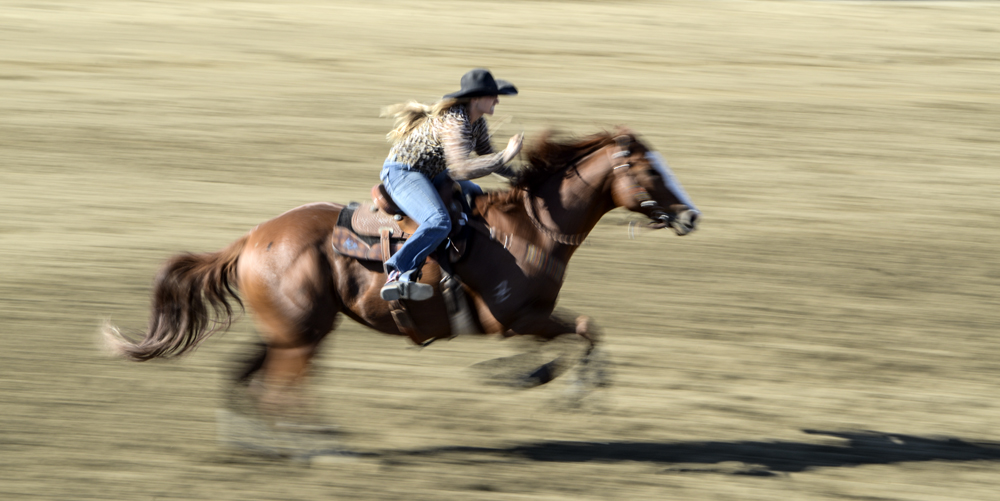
(623, 171)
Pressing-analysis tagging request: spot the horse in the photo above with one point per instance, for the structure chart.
(297, 285)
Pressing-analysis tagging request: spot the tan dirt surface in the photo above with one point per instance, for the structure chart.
(830, 333)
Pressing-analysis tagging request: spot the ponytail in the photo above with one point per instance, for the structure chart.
(411, 114)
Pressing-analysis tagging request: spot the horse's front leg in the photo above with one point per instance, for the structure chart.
(573, 338)
(592, 364)
(587, 330)
(594, 369)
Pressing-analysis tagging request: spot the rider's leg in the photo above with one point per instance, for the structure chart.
(414, 193)
(470, 190)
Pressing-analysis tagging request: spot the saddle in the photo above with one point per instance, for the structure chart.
(374, 231)
(359, 232)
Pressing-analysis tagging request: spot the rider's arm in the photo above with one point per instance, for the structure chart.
(455, 136)
(481, 131)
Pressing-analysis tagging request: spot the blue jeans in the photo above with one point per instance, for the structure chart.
(418, 197)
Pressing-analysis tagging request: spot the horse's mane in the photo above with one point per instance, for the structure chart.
(547, 156)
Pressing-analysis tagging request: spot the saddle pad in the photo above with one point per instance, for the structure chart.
(367, 222)
(347, 243)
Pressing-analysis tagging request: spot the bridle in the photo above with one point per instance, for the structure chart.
(547, 263)
(625, 181)
(630, 185)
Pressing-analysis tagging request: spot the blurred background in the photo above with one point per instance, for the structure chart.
(845, 279)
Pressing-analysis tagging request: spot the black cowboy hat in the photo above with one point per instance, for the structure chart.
(480, 82)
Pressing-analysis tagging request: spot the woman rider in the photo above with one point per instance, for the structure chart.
(432, 144)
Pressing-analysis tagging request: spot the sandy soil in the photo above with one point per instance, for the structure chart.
(828, 334)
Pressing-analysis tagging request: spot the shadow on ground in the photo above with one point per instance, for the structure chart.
(744, 457)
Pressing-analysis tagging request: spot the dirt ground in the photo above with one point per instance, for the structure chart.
(829, 333)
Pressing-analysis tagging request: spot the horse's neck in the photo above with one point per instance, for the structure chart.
(575, 201)
(567, 206)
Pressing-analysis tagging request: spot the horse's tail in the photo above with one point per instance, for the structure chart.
(190, 303)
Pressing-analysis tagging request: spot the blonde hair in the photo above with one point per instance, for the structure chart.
(411, 114)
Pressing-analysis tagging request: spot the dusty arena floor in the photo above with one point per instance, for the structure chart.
(830, 333)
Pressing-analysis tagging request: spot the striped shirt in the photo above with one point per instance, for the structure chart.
(445, 142)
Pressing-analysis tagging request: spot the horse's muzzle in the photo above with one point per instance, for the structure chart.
(685, 222)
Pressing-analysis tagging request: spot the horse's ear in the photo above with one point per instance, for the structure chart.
(637, 145)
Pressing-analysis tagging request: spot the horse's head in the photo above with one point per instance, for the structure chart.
(642, 182)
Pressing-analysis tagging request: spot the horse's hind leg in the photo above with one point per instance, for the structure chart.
(248, 366)
(291, 346)
(294, 311)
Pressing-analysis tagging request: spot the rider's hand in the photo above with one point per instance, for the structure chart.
(513, 147)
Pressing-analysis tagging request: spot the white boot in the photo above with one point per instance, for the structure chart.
(400, 286)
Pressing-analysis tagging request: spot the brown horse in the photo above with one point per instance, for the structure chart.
(512, 270)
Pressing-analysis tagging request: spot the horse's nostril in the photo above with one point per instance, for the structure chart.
(692, 218)
(686, 222)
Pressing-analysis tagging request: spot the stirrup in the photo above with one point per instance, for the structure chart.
(413, 291)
